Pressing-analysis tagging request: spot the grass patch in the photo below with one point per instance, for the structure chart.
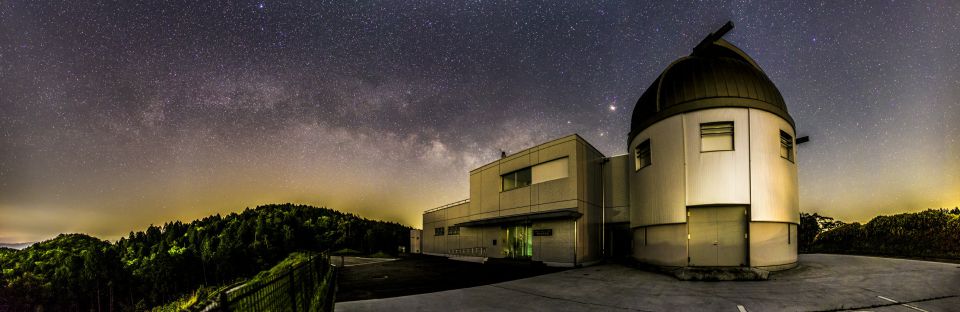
(293, 259)
(204, 295)
(200, 295)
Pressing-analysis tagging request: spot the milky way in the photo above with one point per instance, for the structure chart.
(114, 116)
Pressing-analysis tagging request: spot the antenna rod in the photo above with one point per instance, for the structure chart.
(723, 30)
(714, 36)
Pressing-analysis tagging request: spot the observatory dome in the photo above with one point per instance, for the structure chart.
(716, 74)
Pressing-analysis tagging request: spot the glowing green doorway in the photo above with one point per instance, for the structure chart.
(518, 241)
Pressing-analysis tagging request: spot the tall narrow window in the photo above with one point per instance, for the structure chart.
(716, 136)
(786, 145)
(643, 154)
(516, 179)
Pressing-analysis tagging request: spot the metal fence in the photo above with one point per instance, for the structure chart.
(308, 286)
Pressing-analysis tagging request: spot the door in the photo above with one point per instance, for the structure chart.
(717, 236)
(518, 241)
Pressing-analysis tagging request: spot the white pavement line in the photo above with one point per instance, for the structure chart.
(903, 304)
(887, 299)
(913, 307)
(741, 308)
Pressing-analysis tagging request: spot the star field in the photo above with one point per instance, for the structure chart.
(114, 116)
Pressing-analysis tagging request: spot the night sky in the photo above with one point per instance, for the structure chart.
(114, 116)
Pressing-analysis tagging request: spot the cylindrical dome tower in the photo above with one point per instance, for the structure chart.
(713, 181)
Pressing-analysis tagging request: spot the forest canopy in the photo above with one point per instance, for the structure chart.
(161, 263)
(933, 233)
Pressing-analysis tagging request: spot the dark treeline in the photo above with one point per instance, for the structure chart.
(75, 272)
(934, 233)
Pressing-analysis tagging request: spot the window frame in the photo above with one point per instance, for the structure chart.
(733, 135)
(790, 146)
(516, 175)
(638, 162)
(453, 230)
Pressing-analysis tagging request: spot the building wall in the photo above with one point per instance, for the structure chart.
(657, 192)
(580, 190)
(720, 177)
(617, 190)
(557, 248)
(661, 244)
(487, 200)
(772, 243)
(445, 218)
(590, 229)
(680, 176)
(774, 195)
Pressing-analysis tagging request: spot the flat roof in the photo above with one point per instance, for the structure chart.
(562, 139)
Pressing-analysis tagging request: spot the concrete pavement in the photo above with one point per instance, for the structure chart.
(820, 283)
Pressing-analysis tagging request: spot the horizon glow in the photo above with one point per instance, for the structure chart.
(117, 116)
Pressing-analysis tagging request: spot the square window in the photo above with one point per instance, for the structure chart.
(643, 154)
(786, 145)
(438, 231)
(516, 179)
(716, 136)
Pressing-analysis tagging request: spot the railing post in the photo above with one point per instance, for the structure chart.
(293, 290)
(224, 303)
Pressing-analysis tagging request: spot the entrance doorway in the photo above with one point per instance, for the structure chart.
(717, 236)
(518, 241)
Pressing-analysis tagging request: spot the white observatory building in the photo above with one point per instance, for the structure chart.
(710, 180)
(714, 176)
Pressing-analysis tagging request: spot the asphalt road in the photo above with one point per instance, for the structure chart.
(820, 283)
(349, 261)
(424, 274)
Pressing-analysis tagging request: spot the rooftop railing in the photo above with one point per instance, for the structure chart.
(448, 205)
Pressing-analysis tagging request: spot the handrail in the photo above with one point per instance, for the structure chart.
(447, 205)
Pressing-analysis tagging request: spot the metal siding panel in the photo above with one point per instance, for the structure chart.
(514, 198)
(557, 247)
(774, 187)
(769, 245)
(616, 184)
(490, 190)
(616, 181)
(657, 191)
(515, 162)
(721, 177)
(666, 245)
(457, 211)
(476, 187)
